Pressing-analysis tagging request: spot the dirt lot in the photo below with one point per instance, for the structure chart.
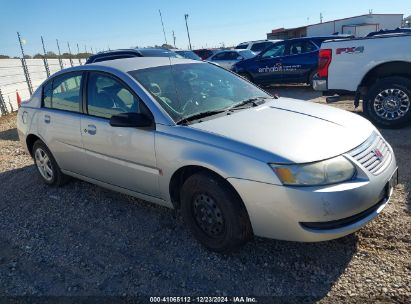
(84, 240)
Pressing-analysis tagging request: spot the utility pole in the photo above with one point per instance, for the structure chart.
(321, 17)
(188, 32)
(174, 39)
(60, 61)
(46, 64)
(162, 23)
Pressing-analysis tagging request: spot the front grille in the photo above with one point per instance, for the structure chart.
(374, 154)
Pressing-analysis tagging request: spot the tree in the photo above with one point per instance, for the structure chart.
(51, 55)
(4, 57)
(27, 57)
(167, 46)
(38, 56)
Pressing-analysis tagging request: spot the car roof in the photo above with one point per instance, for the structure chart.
(125, 53)
(139, 63)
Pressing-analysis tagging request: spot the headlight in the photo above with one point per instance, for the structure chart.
(331, 171)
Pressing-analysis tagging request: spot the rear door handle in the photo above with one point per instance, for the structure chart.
(91, 129)
(47, 119)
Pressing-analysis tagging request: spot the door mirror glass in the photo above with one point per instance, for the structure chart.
(131, 120)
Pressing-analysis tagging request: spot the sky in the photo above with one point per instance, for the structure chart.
(128, 23)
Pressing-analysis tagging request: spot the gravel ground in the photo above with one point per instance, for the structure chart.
(83, 240)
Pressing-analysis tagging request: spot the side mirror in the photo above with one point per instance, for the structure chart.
(240, 58)
(131, 120)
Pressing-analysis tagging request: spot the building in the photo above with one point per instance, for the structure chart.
(407, 22)
(358, 26)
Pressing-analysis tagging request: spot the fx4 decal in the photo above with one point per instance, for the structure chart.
(350, 50)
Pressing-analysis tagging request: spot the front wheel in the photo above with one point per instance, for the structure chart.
(215, 214)
(388, 102)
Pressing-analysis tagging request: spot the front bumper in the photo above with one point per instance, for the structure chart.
(312, 214)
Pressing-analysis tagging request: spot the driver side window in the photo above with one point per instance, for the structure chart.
(276, 50)
(106, 97)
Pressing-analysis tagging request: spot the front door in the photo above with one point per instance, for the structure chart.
(119, 156)
(269, 65)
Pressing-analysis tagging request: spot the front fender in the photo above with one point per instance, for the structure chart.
(175, 152)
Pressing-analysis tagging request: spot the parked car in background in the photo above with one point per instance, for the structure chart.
(374, 69)
(205, 53)
(189, 135)
(228, 58)
(256, 46)
(187, 54)
(288, 61)
(130, 53)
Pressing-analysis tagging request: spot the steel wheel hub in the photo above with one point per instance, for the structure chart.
(391, 104)
(208, 215)
(43, 164)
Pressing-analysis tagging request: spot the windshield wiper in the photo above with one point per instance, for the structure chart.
(199, 116)
(256, 101)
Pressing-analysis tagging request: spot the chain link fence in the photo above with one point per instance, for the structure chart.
(21, 78)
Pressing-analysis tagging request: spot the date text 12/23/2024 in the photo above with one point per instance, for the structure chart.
(205, 299)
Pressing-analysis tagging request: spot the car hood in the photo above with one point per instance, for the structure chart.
(294, 131)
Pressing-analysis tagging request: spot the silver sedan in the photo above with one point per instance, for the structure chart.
(191, 135)
(228, 58)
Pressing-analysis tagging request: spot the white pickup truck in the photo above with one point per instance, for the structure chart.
(376, 70)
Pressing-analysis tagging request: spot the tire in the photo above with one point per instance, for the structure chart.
(377, 107)
(43, 159)
(207, 195)
(311, 78)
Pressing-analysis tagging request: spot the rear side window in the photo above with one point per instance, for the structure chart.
(258, 47)
(241, 46)
(301, 47)
(63, 93)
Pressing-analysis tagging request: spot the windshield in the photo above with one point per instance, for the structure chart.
(247, 54)
(184, 90)
(159, 53)
(188, 54)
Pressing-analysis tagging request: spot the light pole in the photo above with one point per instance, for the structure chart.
(188, 32)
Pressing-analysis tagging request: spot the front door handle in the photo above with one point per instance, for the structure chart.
(47, 119)
(91, 129)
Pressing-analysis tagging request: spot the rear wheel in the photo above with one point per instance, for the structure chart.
(215, 215)
(311, 78)
(47, 166)
(388, 102)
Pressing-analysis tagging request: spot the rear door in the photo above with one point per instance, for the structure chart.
(124, 157)
(299, 61)
(59, 120)
(268, 64)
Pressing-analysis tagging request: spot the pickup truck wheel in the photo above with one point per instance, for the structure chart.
(215, 215)
(388, 103)
(47, 166)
